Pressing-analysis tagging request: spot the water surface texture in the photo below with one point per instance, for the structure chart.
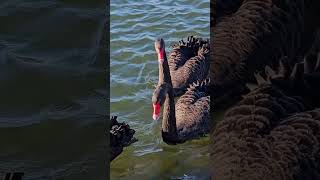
(134, 26)
(52, 89)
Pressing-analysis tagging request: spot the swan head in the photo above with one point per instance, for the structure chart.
(158, 98)
(160, 49)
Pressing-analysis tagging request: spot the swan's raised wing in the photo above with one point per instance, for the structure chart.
(189, 62)
(184, 50)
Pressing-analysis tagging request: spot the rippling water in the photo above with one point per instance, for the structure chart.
(134, 70)
(52, 89)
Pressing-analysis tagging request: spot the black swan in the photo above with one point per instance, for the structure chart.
(120, 136)
(188, 62)
(189, 117)
(255, 34)
(262, 138)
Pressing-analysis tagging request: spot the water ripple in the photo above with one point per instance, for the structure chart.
(134, 26)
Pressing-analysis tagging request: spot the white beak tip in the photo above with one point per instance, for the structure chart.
(155, 117)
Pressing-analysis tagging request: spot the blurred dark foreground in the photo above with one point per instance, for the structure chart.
(52, 89)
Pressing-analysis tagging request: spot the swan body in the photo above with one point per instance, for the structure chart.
(189, 116)
(188, 63)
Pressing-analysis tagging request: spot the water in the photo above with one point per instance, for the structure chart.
(52, 89)
(134, 70)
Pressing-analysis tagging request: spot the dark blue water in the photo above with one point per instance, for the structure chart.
(52, 89)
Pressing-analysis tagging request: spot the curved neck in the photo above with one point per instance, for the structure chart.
(169, 127)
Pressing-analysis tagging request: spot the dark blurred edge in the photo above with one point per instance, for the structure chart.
(106, 54)
(212, 25)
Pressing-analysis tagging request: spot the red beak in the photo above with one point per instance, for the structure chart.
(161, 55)
(156, 111)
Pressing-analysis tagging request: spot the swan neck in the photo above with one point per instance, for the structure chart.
(169, 127)
(164, 71)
